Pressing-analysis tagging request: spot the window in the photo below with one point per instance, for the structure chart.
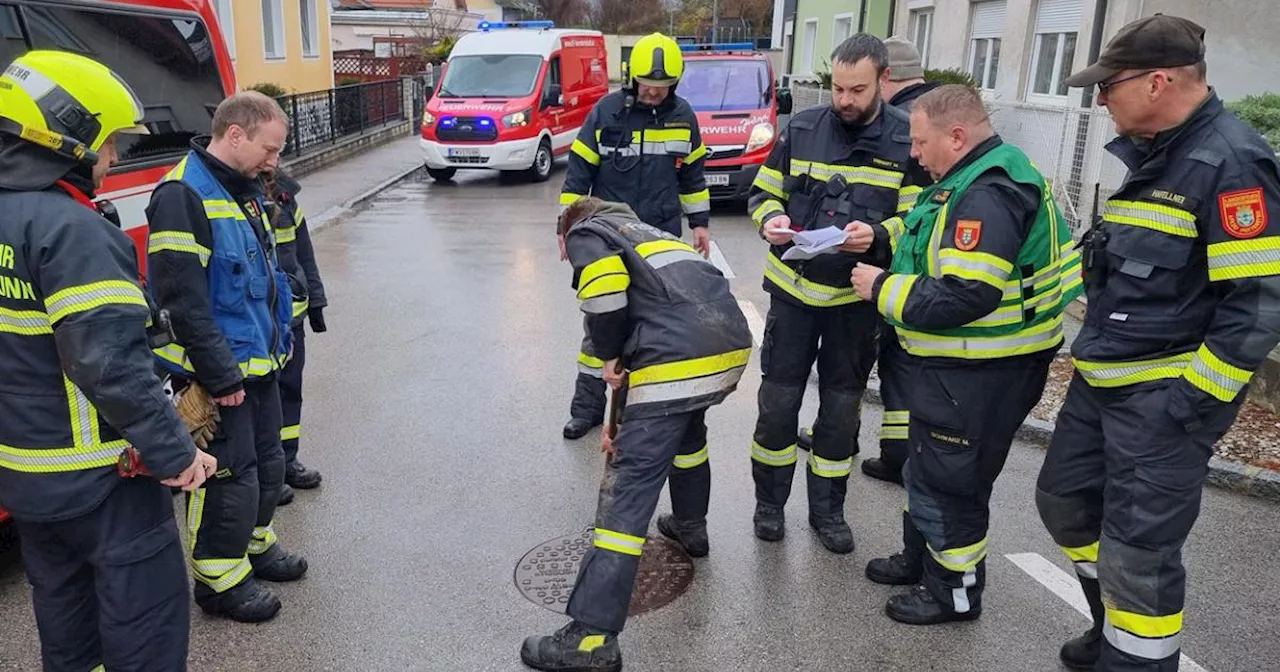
(984, 42)
(273, 28)
(310, 27)
(715, 85)
(807, 46)
(490, 76)
(168, 62)
(842, 29)
(227, 23)
(921, 31)
(1054, 49)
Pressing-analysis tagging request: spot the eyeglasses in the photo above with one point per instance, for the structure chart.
(1103, 87)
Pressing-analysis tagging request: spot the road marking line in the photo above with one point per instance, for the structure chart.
(1066, 586)
(718, 260)
(753, 320)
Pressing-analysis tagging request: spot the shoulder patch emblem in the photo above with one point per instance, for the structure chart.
(968, 232)
(1244, 212)
(941, 196)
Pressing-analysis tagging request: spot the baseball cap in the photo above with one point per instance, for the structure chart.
(1159, 41)
(904, 60)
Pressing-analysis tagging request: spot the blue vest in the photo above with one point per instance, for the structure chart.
(249, 294)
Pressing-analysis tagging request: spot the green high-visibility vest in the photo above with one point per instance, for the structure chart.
(1043, 278)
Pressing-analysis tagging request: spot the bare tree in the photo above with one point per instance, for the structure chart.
(630, 17)
(565, 13)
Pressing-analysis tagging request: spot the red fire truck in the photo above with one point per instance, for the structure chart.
(732, 90)
(171, 52)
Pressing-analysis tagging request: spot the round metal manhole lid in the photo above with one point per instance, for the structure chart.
(546, 574)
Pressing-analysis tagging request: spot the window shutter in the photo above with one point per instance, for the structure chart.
(1059, 16)
(988, 19)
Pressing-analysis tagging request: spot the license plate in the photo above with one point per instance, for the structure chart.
(717, 179)
(463, 151)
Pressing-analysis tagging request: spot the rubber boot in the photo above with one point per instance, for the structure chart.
(249, 602)
(882, 470)
(1082, 653)
(577, 428)
(920, 607)
(826, 512)
(573, 648)
(690, 534)
(895, 570)
(278, 565)
(770, 522)
(297, 475)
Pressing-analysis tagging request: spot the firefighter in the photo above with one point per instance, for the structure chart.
(639, 146)
(656, 307)
(975, 293)
(298, 259)
(1181, 274)
(102, 552)
(900, 85)
(212, 265)
(845, 166)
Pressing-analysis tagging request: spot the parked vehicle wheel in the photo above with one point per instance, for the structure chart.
(540, 171)
(441, 174)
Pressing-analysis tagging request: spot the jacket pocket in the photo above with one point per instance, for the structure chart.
(947, 459)
(228, 294)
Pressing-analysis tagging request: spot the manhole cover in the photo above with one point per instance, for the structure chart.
(546, 574)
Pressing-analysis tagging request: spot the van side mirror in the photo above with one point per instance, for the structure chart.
(784, 101)
(552, 97)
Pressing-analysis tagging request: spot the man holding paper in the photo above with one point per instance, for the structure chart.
(826, 197)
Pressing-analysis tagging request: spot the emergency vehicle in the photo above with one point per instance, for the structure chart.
(731, 88)
(512, 98)
(172, 55)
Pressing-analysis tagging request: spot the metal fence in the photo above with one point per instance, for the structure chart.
(320, 118)
(1067, 144)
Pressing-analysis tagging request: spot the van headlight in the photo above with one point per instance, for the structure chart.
(761, 136)
(428, 120)
(518, 119)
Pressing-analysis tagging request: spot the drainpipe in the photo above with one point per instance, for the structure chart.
(893, 11)
(1086, 105)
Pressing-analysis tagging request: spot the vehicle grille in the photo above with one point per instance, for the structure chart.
(467, 129)
(723, 153)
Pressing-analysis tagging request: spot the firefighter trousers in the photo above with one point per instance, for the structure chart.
(843, 341)
(1119, 491)
(231, 516)
(648, 451)
(895, 377)
(589, 390)
(291, 396)
(110, 587)
(963, 418)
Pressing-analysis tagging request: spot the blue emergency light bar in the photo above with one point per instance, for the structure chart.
(719, 46)
(486, 26)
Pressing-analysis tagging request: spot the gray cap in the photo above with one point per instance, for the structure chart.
(904, 60)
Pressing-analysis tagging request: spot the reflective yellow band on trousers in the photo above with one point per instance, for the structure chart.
(290, 432)
(1149, 637)
(774, 458)
(1085, 559)
(692, 460)
(963, 559)
(264, 537)
(894, 425)
(821, 466)
(219, 574)
(618, 542)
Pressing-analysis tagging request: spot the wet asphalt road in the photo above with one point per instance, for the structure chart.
(434, 407)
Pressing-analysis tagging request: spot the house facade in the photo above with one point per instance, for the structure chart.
(808, 30)
(282, 42)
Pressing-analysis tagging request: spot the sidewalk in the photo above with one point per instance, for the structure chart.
(330, 191)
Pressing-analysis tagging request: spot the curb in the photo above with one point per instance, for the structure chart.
(1225, 474)
(332, 215)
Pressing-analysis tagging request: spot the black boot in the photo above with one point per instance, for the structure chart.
(919, 607)
(577, 428)
(882, 470)
(573, 648)
(249, 602)
(770, 522)
(833, 532)
(1083, 652)
(691, 535)
(895, 570)
(279, 565)
(299, 476)
(286, 495)
(804, 440)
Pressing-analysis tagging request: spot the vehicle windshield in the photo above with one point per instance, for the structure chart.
(725, 85)
(495, 76)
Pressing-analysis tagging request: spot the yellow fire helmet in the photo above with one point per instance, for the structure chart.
(67, 103)
(656, 60)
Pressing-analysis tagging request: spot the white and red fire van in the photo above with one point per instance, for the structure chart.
(731, 89)
(512, 98)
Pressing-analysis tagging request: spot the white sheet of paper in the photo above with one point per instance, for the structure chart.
(809, 244)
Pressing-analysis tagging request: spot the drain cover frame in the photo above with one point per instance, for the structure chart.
(547, 573)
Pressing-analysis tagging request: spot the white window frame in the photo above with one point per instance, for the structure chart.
(1055, 77)
(835, 26)
(276, 8)
(312, 8)
(987, 82)
(913, 28)
(808, 46)
(1059, 19)
(225, 11)
(983, 39)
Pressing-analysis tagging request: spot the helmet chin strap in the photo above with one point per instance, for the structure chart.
(62, 145)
